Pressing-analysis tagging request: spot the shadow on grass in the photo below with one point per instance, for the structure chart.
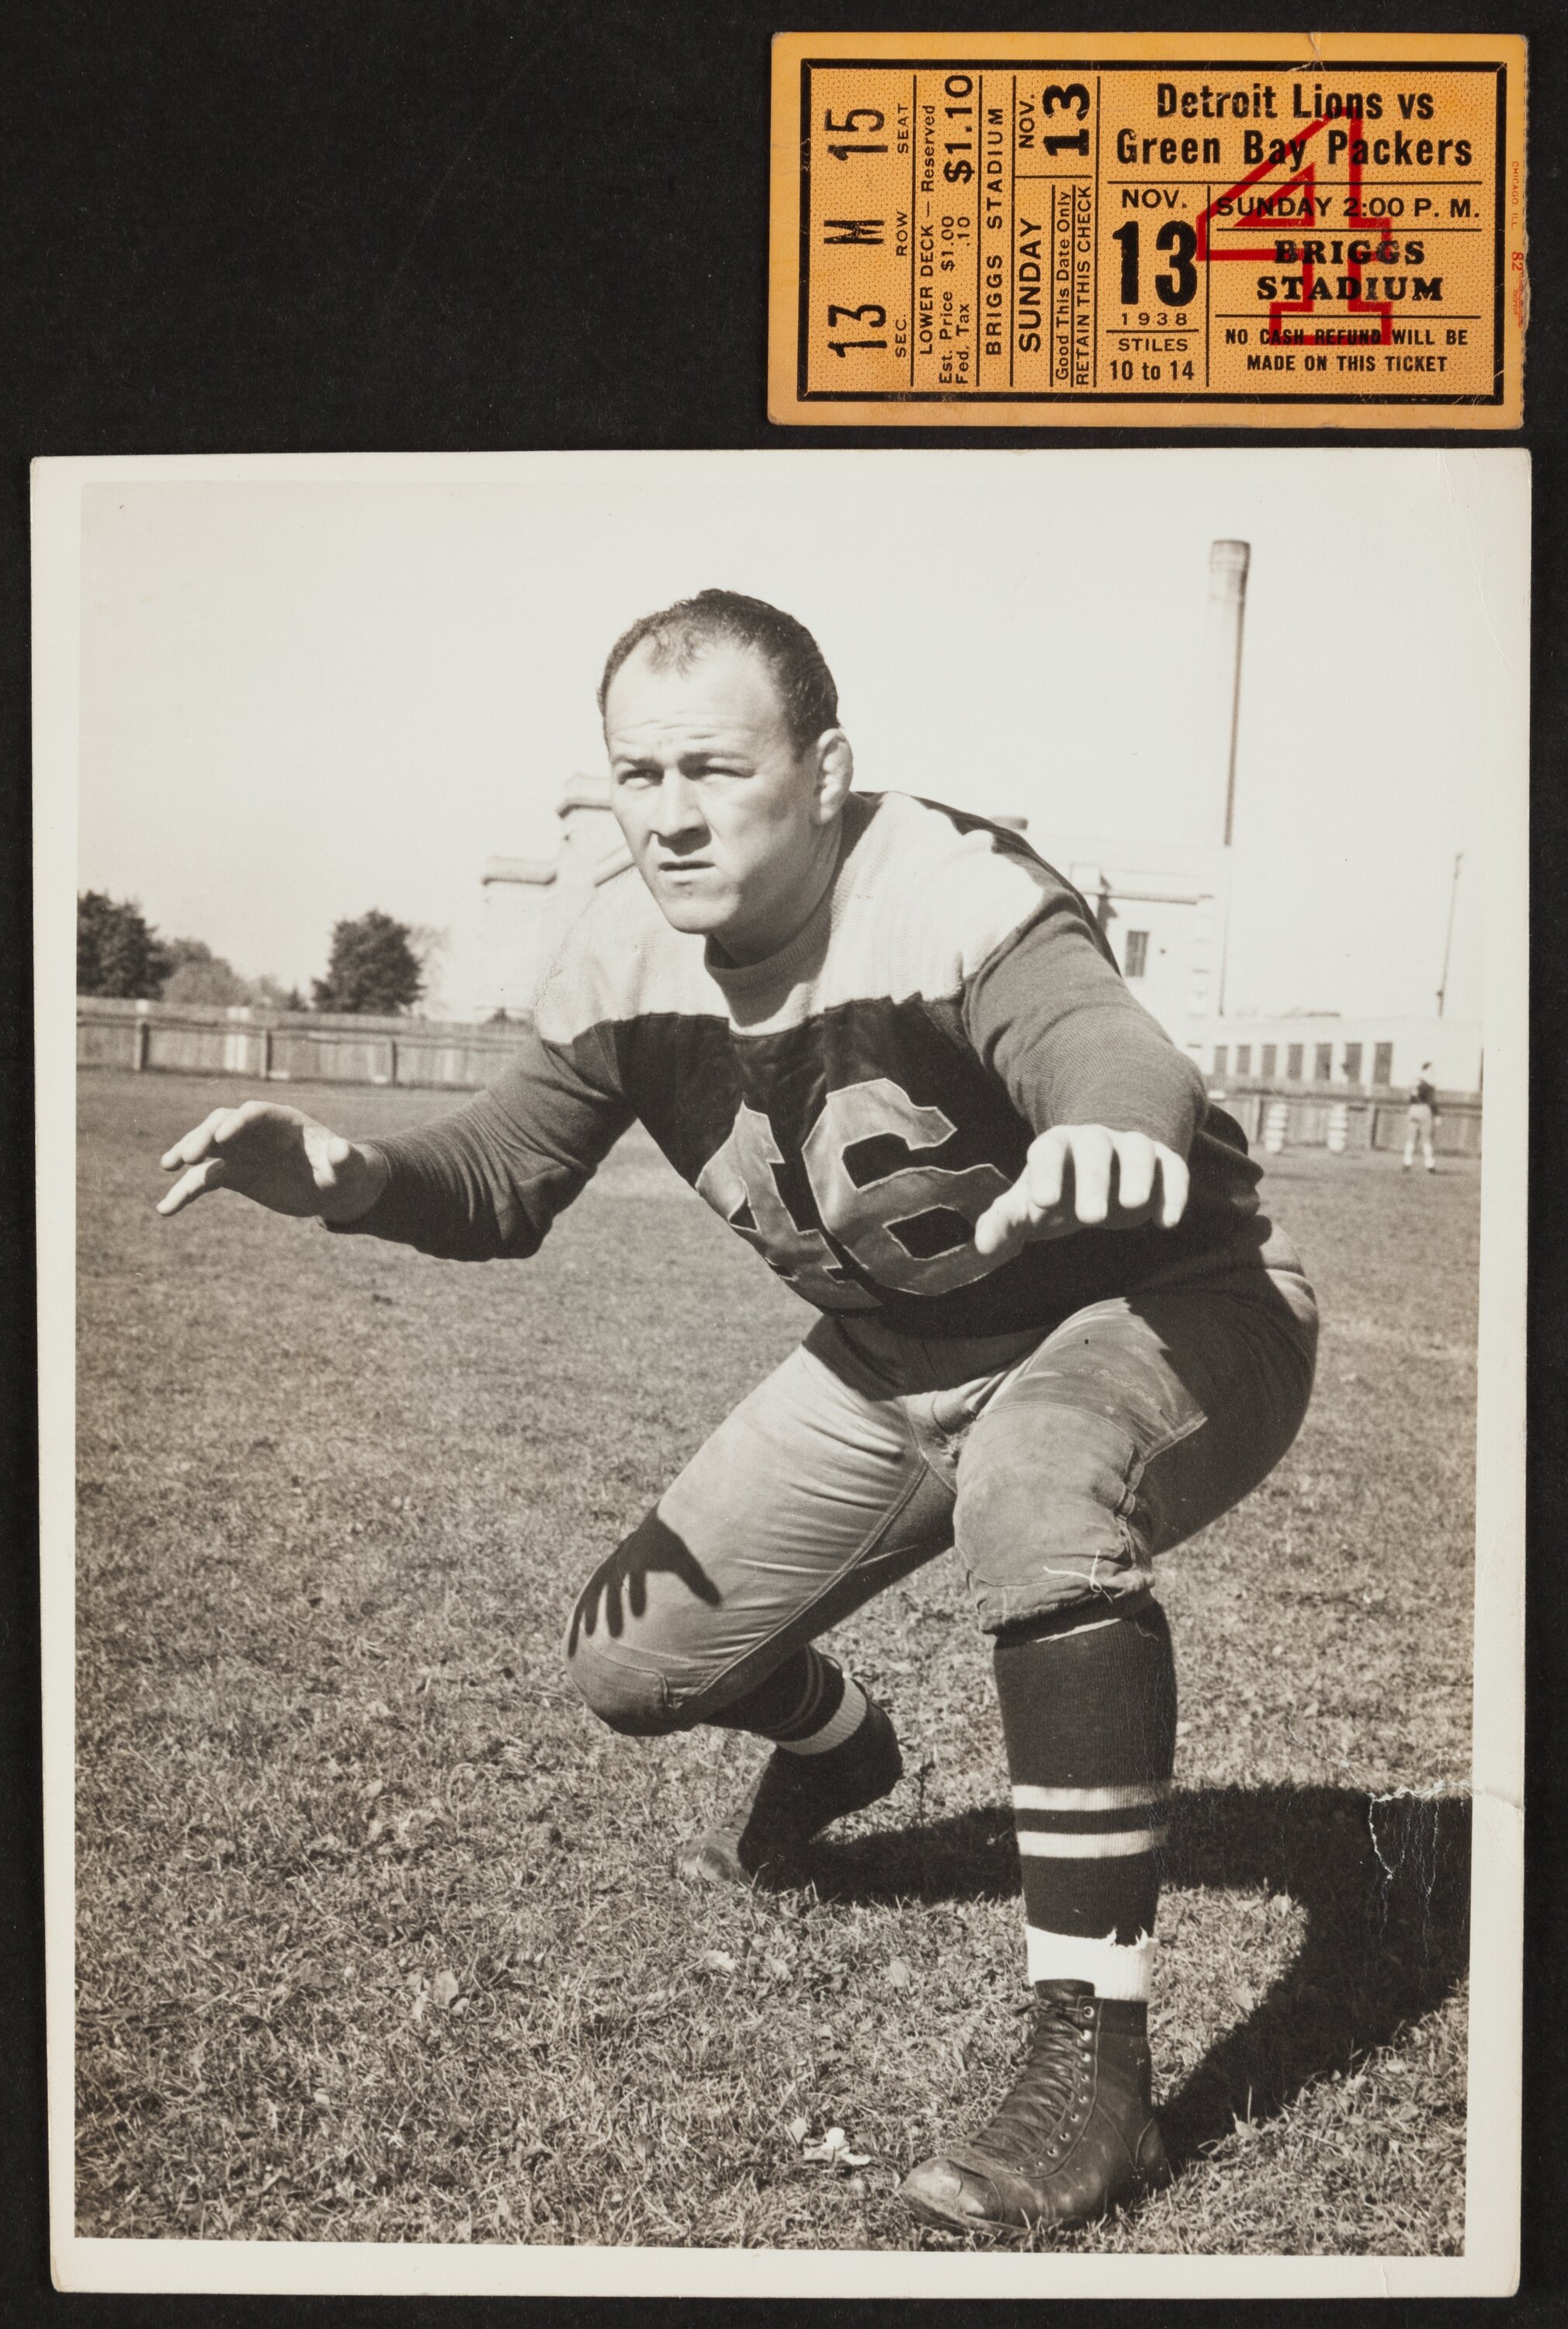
(1384, 1883)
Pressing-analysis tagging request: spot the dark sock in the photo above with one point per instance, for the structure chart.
(1088, 1710)
(794, 1701)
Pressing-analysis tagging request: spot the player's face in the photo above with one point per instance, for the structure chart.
(732, 824)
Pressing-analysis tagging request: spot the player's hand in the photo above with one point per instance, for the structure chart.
(1082, 1176)
(279, 1157)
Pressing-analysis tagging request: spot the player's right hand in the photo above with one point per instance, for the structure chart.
(279, 1157)
(1084, 1176)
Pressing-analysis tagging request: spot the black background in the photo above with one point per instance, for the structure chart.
(328, 225)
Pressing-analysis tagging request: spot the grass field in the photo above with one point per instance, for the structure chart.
(377, 1936)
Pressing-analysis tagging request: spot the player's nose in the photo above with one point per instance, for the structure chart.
(676, 812)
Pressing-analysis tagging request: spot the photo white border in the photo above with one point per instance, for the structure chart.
(1489, 2265)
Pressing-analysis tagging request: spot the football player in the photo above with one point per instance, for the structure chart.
(891, 1047)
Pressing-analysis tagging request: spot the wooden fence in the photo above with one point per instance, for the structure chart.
(287, 1046)
(318, 1047)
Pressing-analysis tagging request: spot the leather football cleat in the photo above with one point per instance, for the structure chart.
(795, 1797)
(1077, 2136)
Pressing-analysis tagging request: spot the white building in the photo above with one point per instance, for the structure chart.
(1374, 1053)
(530, 903)
(1163, 910)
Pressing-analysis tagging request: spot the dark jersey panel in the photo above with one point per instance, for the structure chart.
(885, 1140)
(678, 1074)
(686, 1077)
(855, 1150)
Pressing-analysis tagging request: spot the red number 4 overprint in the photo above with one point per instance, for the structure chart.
(1304, 178)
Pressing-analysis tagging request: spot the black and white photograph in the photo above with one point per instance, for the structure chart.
(783, 1486)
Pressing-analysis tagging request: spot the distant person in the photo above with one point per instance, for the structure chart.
(892, 1049)
(1421, 1116)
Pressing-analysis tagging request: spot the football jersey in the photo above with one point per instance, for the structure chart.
(852, 1105)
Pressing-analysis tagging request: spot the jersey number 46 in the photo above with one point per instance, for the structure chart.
(909, 1225)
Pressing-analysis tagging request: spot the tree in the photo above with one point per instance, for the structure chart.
(118, 951)
(200, 975)
(278, 997)
(372, 968)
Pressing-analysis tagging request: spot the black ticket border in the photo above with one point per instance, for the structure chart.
(1054, 397)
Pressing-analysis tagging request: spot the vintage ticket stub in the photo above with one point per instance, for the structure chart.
(1217, 231)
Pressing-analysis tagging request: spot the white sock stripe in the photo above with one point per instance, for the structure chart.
(1038, 1844)
(841, 1724)
(1116, 1969)
(1090, 1799)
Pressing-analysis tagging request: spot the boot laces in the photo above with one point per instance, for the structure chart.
(1051, 2078)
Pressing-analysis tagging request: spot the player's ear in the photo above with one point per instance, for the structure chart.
(834, 774)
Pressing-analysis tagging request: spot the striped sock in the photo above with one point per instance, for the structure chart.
(807, 1705)
(1088, 1708)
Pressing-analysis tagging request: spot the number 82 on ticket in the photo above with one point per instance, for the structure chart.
(1248, 230)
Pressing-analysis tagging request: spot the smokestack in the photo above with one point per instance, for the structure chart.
(1221, 684)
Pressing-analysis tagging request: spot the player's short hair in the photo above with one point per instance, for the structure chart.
(678, 634)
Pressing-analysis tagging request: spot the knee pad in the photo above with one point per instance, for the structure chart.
(629, 1697)
(1046, 1516)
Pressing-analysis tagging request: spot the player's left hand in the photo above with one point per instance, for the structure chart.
(1082, 1176)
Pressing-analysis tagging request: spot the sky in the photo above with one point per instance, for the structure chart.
(303, 697)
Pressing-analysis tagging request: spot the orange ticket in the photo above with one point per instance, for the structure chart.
(1250, 229)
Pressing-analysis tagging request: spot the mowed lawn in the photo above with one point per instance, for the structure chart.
(378, 1937)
